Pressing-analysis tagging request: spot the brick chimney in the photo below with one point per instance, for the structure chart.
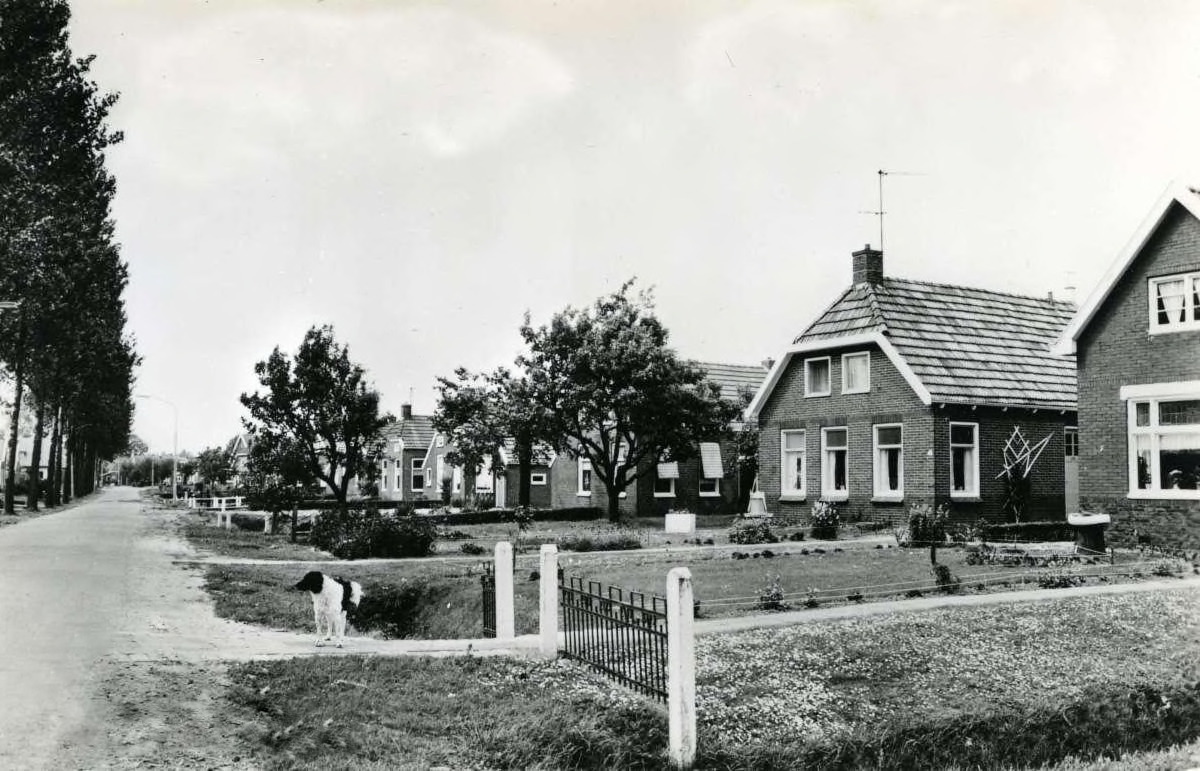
(868, 266)
(406, 412)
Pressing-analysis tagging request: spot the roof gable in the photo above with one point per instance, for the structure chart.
(1176, 193)
(732, 379)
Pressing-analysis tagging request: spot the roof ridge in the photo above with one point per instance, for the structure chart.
(876, 311)
(1038, 298)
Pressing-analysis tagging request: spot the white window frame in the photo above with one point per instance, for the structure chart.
(386, 475)
(1068, 432)
(664, 494)
(1191, 305)
(864, 389)
(974, 446)
(537, 478)
(808, 391)
(788, 493)
(715, 487)
(880, 464)
(584, 465)
(828, 493)
(1155, 395)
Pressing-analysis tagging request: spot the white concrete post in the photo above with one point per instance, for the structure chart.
(681, 670)
(505, 622)
(548, 601)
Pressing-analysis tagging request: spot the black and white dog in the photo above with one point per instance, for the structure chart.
(332, 599)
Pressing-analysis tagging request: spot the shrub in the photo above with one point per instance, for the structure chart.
(362, 533)
(1058, 578)
(471, 548)
(753, 532)
(946, 581)
(1049, 530)
(926, 524)
(398, 610)
(825, 520)
(586, 543)
(771, 597)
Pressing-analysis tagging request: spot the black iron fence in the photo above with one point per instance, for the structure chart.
(624, 636)
(488, 584)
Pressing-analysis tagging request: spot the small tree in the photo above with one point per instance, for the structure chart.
(214, 466)
(318, 407)
(277, 478)
(614, 393)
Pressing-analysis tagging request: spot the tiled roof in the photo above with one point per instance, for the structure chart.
(732, 379)
(543, 454)
(416, 432)
(965, 345)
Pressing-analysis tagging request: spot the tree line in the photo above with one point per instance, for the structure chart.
(64, 345)
(600, 383)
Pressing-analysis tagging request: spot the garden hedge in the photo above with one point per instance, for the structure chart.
(494, 516)
(1045, 530)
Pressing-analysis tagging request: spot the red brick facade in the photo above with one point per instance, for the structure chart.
(1115, 349)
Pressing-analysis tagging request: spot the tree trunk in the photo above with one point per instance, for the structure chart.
(68, 472)
(54, 497)
(295, 521)
(524, 470)
(614, 506)
(14, 429)
(34, 488)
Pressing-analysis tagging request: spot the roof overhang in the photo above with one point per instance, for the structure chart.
(1175, 193)
(816, 346)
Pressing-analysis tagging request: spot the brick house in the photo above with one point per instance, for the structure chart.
(237, 450)
(709, 483)
(906, 392)
(402, 475)
(508, 484)
(1137, 343)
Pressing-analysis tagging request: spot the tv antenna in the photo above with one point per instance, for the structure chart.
(880, 211)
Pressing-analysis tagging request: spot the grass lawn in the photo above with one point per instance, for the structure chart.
(764, 697)
(204, 536)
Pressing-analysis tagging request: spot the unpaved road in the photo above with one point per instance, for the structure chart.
(109, 651)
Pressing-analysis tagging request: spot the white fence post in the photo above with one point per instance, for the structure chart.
(505, 623)
(681, 670)
(548, 601)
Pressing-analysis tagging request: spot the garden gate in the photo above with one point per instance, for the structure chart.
(488, 583)
(623, 637)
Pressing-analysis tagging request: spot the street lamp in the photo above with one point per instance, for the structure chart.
(174, 444)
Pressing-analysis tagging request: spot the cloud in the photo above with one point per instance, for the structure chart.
(270, 86)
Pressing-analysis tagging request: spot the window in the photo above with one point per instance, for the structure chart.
(585, 477)
(1164, 446)
(1175, 303)
(964, 460)
(834, 442)
(385, 476)
(792, 465)
(664, 479)
(1071, 442)
(711, 469)
(537, 478)
(816, 377)
(457, 476)
(889, 461)
(856, 373)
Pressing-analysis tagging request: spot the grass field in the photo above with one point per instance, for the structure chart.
(764, 698)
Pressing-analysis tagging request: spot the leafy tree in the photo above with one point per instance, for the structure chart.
(214, 466)
(277, 478)
(317, 409)
(613, 392)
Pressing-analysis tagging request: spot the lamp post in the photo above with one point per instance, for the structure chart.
(174, 444)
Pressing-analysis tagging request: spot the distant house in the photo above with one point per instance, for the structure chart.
(402, 472)
(237, 450)
(906, 392)
(1137, 343)
(711, 482)
(508, 484)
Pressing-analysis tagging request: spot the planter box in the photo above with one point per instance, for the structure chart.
(680, 522)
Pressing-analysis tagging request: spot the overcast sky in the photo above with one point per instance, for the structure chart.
(419, 175)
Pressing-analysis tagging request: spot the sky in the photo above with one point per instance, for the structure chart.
(421, 175)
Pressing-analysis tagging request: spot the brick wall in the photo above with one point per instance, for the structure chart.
(890, 400)
(1047, 475)
(564, 486)
(539, 495)
(1116, 349)
(687, 489)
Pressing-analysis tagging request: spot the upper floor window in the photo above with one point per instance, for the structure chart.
(816, 377)
(1164, 447)
(856, 373)
(1175, 303)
